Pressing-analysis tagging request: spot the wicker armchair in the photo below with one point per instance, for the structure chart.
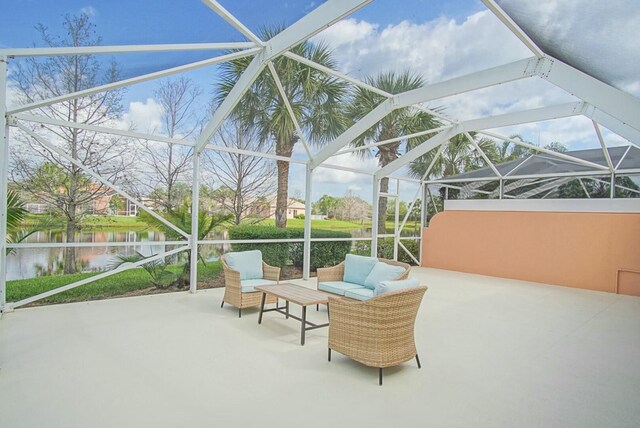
(378, 332)
(336, 273)
(233, 292)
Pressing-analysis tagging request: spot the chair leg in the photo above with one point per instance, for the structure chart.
(380, 376)
(329, 354)
(222, 305)
(317, 308)
(239, 312)
(418, 361)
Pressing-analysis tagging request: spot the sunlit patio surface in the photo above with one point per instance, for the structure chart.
(494, 352)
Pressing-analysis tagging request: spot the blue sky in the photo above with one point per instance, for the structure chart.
(438, 39)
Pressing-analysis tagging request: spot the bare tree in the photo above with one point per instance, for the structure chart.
(248, 178)
(48, 176)
(169, 162)
(351, 208)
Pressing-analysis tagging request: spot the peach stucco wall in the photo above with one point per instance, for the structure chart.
(583, 250)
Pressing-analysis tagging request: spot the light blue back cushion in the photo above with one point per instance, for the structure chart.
(382, 272)
(386, 286)
(248, 263)
(357, 268)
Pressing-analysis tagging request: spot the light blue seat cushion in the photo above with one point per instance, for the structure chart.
(356, 268)
(359, 293)
(248, 285)
(337, 287)
(248, 263)
(382, 272)
(386, 286)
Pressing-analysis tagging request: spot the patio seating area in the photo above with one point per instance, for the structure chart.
(493, 352)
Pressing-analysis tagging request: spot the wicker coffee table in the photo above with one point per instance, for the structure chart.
(300, 296)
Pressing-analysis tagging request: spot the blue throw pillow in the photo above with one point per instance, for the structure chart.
(386, 286)
(357, 268)
(248, 263)
(382, 272)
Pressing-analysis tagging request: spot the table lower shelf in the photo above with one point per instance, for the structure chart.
(305, 325)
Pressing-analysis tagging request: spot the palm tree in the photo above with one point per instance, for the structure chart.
(16, 213)
(316, 99)
(181, 217)
(400, 122)
(459, 156)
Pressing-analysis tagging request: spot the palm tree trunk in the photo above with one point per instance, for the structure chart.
(386, 155)
(283, 194)
(282, 199)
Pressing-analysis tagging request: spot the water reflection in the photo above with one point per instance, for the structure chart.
(34, 262)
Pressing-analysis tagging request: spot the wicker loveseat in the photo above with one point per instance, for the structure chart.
(378, 332)
(334, 281)
(240, 293)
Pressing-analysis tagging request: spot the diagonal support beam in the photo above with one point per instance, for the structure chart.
(97, 50)
(498, 121)
(94, 278)
(227, 16)
(470, 82)
(415, 153)
(541, 150)
(97, 177)
(134, 80)
(309, 25)
(621, 107)
(483, 154)
(622, 129)
(525, 116)
(373, 117)
(605, 151)
(285, 99)
(513, 27)
(482, 79)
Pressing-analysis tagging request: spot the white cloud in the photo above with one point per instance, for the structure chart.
(89, 10)
(444, 48)
(437, 49)
(143, 116)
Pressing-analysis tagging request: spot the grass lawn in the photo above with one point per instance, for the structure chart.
(345, 226)
(122, 283)
(92, 222)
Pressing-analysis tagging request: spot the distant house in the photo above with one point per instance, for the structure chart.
(266, 207)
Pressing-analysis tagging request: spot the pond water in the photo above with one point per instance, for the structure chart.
(34, 262)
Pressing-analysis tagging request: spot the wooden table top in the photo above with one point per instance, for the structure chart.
(294, 293)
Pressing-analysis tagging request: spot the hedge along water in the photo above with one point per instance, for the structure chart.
(323, 254)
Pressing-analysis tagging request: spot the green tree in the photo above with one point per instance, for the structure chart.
(316, 99)
(326, 205)
(396, 124)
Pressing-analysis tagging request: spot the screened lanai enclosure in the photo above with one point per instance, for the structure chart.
(582, 68)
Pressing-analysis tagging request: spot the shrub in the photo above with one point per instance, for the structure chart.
(324, 253)
(385, 249)
(276, 254)
(299, 216)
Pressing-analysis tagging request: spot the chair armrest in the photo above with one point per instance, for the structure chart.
(335, 273)
(405, 275)
(270, 272)
(231, 278)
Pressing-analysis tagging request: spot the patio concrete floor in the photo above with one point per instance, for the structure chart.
(494, 353)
